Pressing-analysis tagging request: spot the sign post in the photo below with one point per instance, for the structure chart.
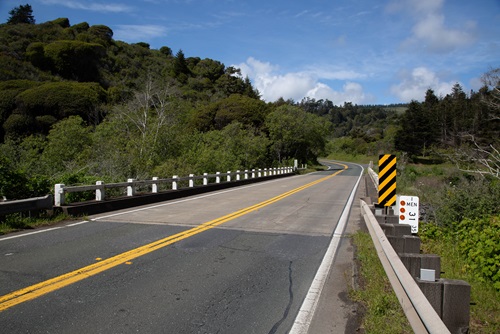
(408, 210)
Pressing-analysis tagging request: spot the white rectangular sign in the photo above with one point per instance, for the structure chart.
(408, 211)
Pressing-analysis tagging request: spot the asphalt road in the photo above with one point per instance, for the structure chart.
(235, 261)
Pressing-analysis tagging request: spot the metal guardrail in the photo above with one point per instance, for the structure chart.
(420, 313)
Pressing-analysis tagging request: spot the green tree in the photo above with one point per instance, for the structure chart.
(295, 133)
(62, 99)
(67, 144)
(243, 109)
(13, 183)
(75, 60)
(181, 69)
(417, 132)
(21, 14)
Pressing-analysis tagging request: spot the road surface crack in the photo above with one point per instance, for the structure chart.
(290, 301)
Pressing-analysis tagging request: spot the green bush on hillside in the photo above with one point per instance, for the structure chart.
(479, 242)
(61, 99)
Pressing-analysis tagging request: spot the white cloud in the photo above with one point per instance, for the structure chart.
(415, 83)
(297, 85)
(92, 6)
(137, 33)
(430, 31)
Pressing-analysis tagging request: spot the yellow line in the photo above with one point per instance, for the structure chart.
(39, 289)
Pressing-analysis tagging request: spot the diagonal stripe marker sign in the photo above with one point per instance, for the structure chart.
(387, 180)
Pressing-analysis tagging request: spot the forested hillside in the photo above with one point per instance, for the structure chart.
(78, 106)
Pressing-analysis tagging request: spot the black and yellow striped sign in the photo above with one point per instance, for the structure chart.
(387, 180)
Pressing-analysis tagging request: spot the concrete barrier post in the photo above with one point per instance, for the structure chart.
(131, 187)
(154, 186)
(412, 244)
(100, 193)
(217, 177)
(415, 262)
(59, 198)
(191, 180)
(174, 182)
(456, 305)
(205, 179)
(246, 174)
(253, 173)
(238, 176)
(259, 172)
(433, 291)
(228, 178)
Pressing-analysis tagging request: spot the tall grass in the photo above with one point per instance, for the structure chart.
(383, 313)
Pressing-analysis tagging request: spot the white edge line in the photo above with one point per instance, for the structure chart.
(31, 233)
(306, 311)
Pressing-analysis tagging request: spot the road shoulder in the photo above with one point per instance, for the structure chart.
(336, 313)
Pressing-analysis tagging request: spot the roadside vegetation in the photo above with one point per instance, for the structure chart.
(460, 221)
(17, 222)
(381, 308)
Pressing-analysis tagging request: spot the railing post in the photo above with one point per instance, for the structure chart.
(246, 174)
(259, 173)
(238, 177)
(217, 177)
(265, 171)
(154, 186)
(253, 173)
(130, 188)
(228, 178)
(205, 179)
(191, 180)
(174, 182)
(59, 199)
(100, 193)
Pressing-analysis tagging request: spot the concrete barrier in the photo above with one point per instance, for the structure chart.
(26, 205)
(112, 204)
(60, 190)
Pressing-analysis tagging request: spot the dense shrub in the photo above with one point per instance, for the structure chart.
(479, 242)
(75, 60)
(17, 126)
(61, 99)
(15, 184)
(467, 197)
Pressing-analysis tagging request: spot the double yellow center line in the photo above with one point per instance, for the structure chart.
(37, 290)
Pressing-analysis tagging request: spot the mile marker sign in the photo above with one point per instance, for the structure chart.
(408, 211)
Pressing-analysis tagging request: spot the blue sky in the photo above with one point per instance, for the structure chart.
(360, 51)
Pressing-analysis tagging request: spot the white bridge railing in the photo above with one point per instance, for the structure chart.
(174, 182)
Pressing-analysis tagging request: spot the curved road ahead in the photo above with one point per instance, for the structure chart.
(235, 261)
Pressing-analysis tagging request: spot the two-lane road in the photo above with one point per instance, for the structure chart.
(235, 261)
